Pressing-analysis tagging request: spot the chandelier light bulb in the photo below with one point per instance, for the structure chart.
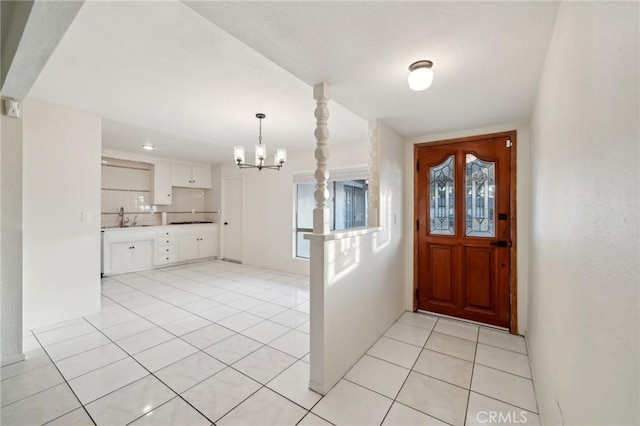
(261, 154)
(238, 154)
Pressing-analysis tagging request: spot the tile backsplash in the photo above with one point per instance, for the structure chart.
(129, 184)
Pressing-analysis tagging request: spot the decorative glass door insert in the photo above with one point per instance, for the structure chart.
(442, 197)
(480, 187)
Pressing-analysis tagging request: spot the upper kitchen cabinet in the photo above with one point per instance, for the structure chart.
(190, 175)
(162, 183)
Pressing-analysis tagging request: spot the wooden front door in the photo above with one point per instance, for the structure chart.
(463, 227)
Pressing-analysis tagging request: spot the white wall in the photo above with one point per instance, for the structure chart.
(364, 290)
(268, 206)
(213, 198)
(522, 207)
(583, 289)
(11, 239)
(62, 148)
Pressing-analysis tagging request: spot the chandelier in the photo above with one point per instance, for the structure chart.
(261, 153)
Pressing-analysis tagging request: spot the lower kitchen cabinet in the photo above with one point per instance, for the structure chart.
(189, 247)
(198, 244)
(209, 244)
(166, 245)
(131, 256)
(136, 249)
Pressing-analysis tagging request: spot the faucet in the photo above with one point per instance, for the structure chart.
(121, 214)
(134, 220)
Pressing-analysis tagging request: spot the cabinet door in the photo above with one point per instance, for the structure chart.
(188, 247)
(121, 257)
(142, 254)
(201, 177)
(181, 175)
(208, 244)
(162, 183)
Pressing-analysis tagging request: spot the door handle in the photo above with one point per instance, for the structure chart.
(501, 243)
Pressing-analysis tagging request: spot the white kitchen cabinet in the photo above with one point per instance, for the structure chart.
(198, 242)
(136, 249)
(162, 175)
(127, 250)
(201, 176)
(209, 244)
(190, 175)
(131, 256)
(166, 245)
(189, 247)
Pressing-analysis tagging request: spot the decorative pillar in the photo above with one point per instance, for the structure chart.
(321, 212)
(374, 173)
(318, 248)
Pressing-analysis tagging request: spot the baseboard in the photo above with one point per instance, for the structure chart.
(12, 359)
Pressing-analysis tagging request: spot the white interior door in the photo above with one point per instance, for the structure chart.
(232, 219)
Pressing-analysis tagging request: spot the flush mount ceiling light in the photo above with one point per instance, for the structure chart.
(148, 147)
(261, 153)
(421, 75)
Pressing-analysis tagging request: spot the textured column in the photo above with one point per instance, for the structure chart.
(321, 212)
(374, 173)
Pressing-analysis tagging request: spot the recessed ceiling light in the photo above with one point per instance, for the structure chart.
(148, 147)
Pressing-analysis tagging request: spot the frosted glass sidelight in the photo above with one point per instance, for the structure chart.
(480, 187)
(441, 198)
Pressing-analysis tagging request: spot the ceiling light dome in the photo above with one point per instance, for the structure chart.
(421, 75)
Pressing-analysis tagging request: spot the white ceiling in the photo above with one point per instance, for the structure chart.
(190, 77)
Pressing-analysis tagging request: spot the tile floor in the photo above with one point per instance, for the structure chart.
(216, 342)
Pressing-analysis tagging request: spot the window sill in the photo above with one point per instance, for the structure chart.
(342, 234)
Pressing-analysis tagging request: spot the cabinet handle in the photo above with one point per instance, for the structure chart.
(168, 195)
(167, 250)
(131, 247)
(167, 241)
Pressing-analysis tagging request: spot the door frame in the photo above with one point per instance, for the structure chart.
(513, 274)
(223, 191)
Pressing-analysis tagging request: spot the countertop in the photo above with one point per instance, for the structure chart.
(181, 224)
